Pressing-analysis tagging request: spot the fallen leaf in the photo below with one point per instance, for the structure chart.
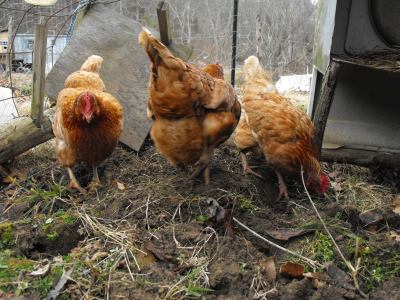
(285, 235)
(155, 250)
(395, 235)
(396, 204)
(60, 285)
(16, 174)
(370, 220)
(99, 255)
(292, 269)
(333, 175)
(58, 259)
(267, 268)
(9, 192)
(120, 186)
(318, 278)
(337, 186)
(182, 269)
(226, 216)
(338, 275)
(41, 271)
(144, 257)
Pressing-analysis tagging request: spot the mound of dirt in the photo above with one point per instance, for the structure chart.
(173, 225)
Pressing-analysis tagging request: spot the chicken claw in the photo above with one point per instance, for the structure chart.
(246, 168)
(74, 183)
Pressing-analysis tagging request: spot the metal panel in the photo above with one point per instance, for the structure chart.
(323, 33)
(364, 112)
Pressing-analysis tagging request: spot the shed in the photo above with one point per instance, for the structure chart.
(363, 38)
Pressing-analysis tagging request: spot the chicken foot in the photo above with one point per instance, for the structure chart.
(282, 186)
(74, 183)
(95, 181)
(246, 168)
(202, 167)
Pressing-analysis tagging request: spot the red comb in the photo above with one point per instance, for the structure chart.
(87, 101)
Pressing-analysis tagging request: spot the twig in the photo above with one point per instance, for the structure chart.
(354, 271)
(279, 247)
(147, 219)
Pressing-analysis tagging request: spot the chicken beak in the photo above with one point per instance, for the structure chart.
(88, 118)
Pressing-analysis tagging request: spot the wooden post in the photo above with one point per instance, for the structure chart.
(80, 15)
(325, 101)
(38, 73)
(259, 38)
(9, 54)
(163, 21)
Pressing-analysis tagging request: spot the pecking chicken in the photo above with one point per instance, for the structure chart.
(88, 121)
(192, 112)
(275, 128)
(215, 70)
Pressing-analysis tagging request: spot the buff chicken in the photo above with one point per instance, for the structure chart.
(88, 121)
(192, 112)
(275, 128)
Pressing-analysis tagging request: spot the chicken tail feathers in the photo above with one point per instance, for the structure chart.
(157, 52)
(92, 64)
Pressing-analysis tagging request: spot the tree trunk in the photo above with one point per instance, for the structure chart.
(21, 134)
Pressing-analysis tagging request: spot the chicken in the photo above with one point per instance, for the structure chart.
(192, 112)
(88, 121)
(215, 70)
(279, 130)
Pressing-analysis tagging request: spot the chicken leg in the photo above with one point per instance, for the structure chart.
(74, 183)
(202, 165)
(246, 168)
(282, 186)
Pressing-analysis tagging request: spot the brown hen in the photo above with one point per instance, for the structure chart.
(277, 129)
(192, 112)
(88, 121)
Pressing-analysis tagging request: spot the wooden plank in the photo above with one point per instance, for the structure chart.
(125, 70)
(359, 157)
(21, 134)
(38, 73)
(10, 47)
(163, 22)
(325, 101)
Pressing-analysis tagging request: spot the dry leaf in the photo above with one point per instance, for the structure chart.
(58, 259)
(396, 204)
(370, 220)
(155, 250)
(267, 268)
(144, 257)
(99, 255)
(338, 275)
(41, 272)
(292, 269)
(334, 175)
(318, 279)
(395, 235)
(337, 186)
(120, 186)
(285, 235)
(16, 174)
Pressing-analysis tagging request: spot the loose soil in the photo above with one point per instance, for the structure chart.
(161, 213)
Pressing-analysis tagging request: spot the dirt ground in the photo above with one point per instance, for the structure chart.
(158, 211)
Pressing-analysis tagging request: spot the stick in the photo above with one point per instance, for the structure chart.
(277, 246)
(354, 271)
